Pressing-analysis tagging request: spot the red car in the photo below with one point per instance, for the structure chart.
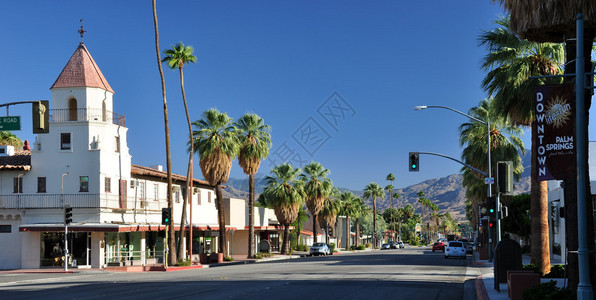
(439, 246)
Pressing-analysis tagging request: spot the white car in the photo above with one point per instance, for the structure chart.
(455, 249)
(319, 249)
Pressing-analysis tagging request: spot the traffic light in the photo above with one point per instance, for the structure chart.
(166, 216)
(491, 224)
(491, 203)
(41, 116)
(414, 158)
(505, 177)
(67, 214)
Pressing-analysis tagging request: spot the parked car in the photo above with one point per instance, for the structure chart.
(330, 249)
(393, 245)
(438, 246)
(401, 245)
(469, 247)
(385, 246)
(319, 249)
(455, 249)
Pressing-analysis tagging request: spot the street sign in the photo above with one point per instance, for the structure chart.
(489, 180)
(10, 123)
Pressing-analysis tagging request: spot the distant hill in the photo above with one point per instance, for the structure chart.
(447, 192)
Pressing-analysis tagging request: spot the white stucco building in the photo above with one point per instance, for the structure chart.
(84, 162)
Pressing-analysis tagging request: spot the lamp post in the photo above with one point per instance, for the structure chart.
(489, 183)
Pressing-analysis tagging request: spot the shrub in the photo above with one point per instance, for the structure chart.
(368, 245)
(360, 247)
(556, 271)
(531, 267)
(547, 291)
(182, 262)
(301, 247)
(228, 258)
(332, 245)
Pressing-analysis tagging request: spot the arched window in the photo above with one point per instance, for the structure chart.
(104, 113)
(72, 109)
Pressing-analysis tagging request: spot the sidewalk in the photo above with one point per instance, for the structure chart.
(485, 287)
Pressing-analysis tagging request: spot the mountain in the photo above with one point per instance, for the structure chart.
(446, 192)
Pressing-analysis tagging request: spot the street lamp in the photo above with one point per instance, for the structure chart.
(62, 185)
(489, 182)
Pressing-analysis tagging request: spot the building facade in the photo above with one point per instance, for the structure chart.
(84, 163)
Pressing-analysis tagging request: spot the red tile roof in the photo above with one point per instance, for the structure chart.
(146, 171)
(21, 160)
(81, 71)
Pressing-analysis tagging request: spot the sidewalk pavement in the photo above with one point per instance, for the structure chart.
(485, 287)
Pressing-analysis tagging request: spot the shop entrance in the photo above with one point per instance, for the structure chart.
(52, 249)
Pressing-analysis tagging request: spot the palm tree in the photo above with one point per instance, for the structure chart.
(216, 140)
(350, 210)
(373, 191)
(331, 208)
(302, 217)
(396, 196)
(255, 141)
(360, 209)
(317, 187)
(171, 243)
(286, 194)
(505, 146)
(176, 58)
(528, 22)
(390, 177)
(510, 62)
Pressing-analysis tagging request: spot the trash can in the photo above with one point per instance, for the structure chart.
(508, 257)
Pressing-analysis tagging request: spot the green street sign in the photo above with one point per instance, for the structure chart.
(10, 123)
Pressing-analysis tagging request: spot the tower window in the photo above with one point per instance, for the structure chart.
(41, 184)
(65, 141)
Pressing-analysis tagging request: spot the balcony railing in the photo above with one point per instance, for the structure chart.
(86, 114)
(82, 200)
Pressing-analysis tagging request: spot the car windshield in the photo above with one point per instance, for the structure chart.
(455, 244)
(318, 245)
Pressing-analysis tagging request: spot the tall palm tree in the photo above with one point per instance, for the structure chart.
(171, 243)
(350, 210)
(390, 177)
(317, 187)
(373, 191)
(528, 21)
(255, 140)
(331, 208)
(302, 217)
(360, 209)
(216, 140)
(176, 58)
(286, 194)
(510, 62)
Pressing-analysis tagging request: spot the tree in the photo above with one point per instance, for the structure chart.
(216, 140)
(510, 62)
(350, 208)
(390, 177)
(374, 191)
(255, 141)
(317, 187)
(8, 138)
(285, 193)
(361, 210)
(396, 196)
(176, 58)
(302, 217)
(506, 145)
(171, 244)
(518, 221)
(331, 208)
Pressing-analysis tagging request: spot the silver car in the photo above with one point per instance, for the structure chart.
(319, 249)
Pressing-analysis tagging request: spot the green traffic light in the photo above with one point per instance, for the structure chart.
(492, 210)
(414, 166)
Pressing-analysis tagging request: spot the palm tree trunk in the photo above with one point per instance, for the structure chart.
(221, 219)
(357, 242)
(314, 228)
(251, 216)
(182, 233)
(374, 223)
(171, 242)
(286, 241)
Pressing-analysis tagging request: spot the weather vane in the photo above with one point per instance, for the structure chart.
(82, 31)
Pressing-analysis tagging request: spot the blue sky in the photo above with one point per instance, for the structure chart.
(336, 80)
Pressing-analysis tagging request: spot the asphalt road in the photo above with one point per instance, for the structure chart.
(411, 273)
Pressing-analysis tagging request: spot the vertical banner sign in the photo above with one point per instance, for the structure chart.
(555, 131)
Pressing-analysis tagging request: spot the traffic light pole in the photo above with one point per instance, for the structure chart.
(65, 247)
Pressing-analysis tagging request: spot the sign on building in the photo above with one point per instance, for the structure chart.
(555, 125)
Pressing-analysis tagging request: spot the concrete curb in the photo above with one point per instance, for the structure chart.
(481, 291)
